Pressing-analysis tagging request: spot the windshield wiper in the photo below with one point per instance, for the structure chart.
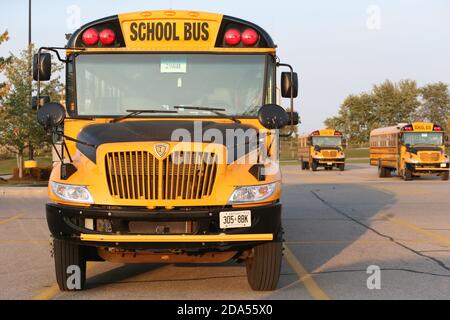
(214, 110)
(133, 113)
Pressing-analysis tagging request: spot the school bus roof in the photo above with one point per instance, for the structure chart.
(415, 126)
(322, 133)
(171, 30)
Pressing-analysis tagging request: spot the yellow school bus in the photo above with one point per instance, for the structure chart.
(321, 148)
(168, 144)
(409, 150)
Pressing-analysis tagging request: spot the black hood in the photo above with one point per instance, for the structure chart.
(157, 130)
(416, 149)
(320, 148)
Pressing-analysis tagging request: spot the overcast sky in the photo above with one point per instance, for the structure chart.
(337, 47)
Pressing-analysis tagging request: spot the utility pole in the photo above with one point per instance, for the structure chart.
(30, 147)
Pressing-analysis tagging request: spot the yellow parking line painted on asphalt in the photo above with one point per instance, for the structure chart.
(52, 291)
(310, 284)
(11, 219)
(438, 238)
(48, 293)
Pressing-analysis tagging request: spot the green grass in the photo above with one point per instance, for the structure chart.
(289, 162)
(7, 166)
(357, 153)
(363, 161)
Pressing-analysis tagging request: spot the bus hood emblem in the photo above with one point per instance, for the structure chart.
(161, 149)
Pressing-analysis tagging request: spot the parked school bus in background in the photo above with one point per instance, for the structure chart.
(127, 188)
(321, 148)
(410, 150)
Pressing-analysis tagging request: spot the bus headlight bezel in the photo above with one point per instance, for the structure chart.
(251, 194)
(72, 193)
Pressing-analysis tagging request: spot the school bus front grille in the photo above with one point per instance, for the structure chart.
(139, 175)
(329, 153)
(429, 156)
(188, 175)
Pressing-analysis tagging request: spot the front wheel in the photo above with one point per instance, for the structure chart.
(407, 174)
(264, 266)
(341, 166)
(314, 165)
(444, 176)
(70, 265)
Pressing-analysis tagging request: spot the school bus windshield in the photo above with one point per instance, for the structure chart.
(423, 138)
(327, 141)
(110, 84)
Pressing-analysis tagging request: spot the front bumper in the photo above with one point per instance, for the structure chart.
(332, 161)
(428, 167)
(68, 223)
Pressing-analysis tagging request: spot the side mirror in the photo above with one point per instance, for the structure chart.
(289, 86)
(51, 115)
(447, 144)
(42, 101)
(42, 68)
(293, 118)
(272, 116)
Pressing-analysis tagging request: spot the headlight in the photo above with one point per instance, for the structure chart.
(72, 193)
(252, 193)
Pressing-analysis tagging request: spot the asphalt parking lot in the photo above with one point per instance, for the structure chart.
(337, 224)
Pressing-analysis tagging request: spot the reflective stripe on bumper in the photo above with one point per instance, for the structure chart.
(177, 238)
(333, 162)
(432, 169)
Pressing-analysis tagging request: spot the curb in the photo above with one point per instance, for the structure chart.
(26, 190)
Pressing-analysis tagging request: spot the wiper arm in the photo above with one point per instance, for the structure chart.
(214, 110)
(133, 113)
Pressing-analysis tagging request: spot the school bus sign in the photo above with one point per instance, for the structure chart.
(160, 29)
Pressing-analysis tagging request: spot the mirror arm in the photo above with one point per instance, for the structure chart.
(55, 50)
(57, 152)
(67, 151)
(291, 130)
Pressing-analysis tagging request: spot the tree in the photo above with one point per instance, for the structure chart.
(435, 103)
(18, 124)
(386, 104)
(3, 62)
(396, 103)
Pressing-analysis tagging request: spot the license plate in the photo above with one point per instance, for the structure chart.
(235, 219)
(330, 163)
(443, 165)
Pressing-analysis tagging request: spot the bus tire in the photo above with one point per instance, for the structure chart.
(382, 171)
(67, 254)
(407, 174)
(444, 176)
(264, 266)
(314, 165)
(341, 166)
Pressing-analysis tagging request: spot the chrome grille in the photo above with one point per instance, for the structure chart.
(329, 153)
(139, 175)
(429, 156)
